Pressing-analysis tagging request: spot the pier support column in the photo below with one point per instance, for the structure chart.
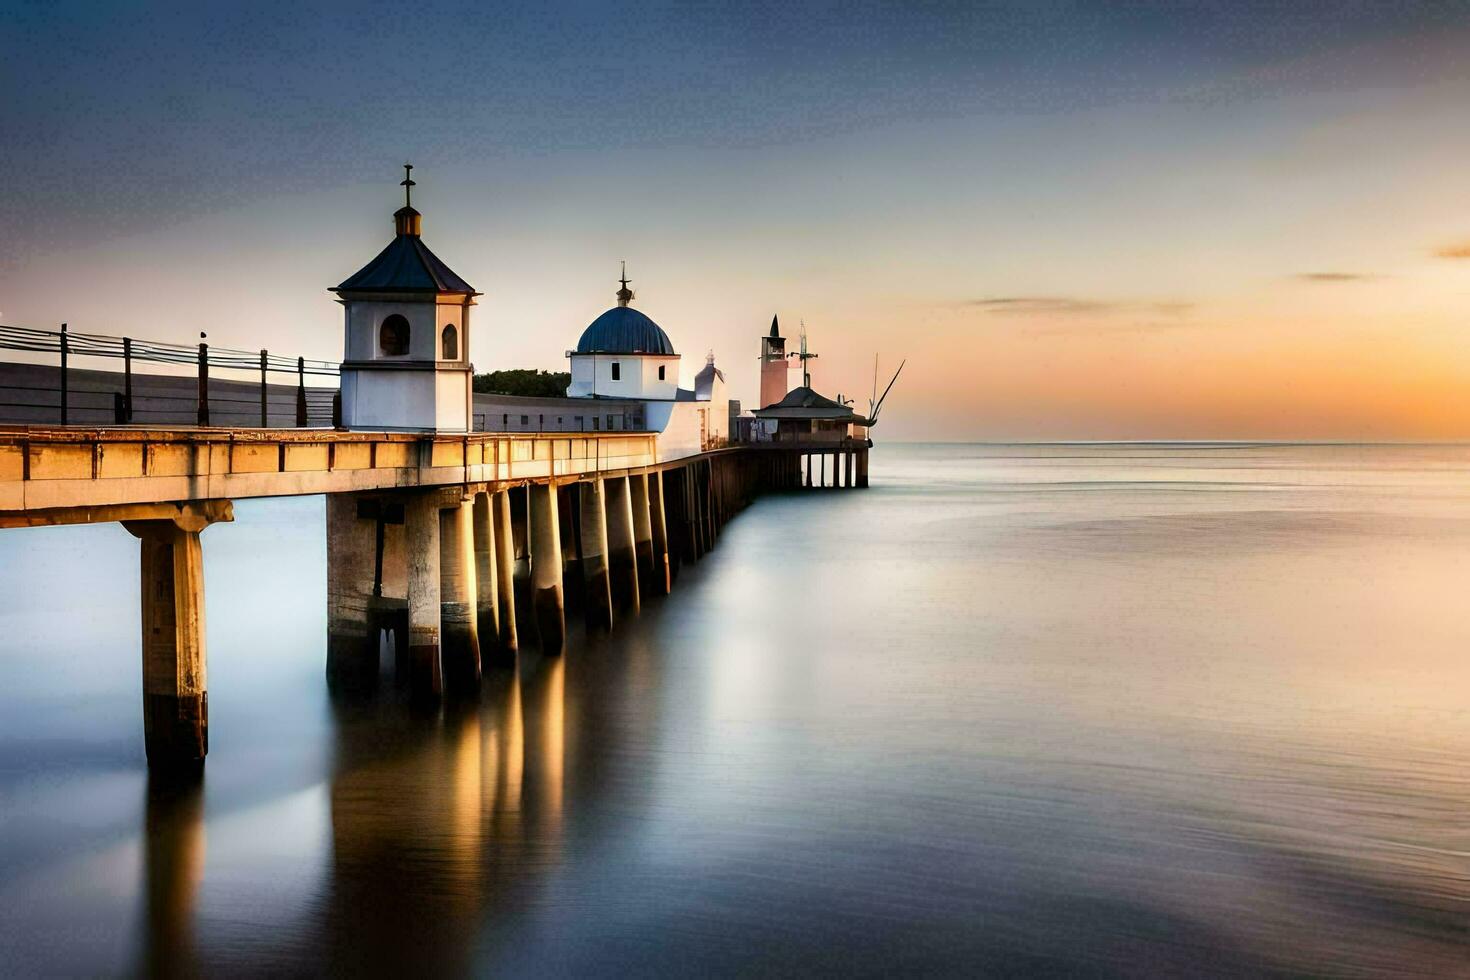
(458, 593)
(592, 510)
(662, 580)
(546, 567)
(175, 692)
(862, 462)
(642, 529)
(354, 580)
(487, 591)
(711, 509)
(505, 570)
(622, 559)
(421, 532)
(690, 513)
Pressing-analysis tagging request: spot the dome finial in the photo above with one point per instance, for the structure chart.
(625, 294)
(407, 221)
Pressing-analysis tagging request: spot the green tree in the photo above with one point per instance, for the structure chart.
(523, 381)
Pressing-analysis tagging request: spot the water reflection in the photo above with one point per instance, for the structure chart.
(431, 814)
(173, 856)
(1102, 712)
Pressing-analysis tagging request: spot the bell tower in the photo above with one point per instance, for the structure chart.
(406, 360)
(773, 366)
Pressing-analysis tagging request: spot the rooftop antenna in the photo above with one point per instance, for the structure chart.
(408, 185)
(877, 408)
(873, 400)
(806, 375)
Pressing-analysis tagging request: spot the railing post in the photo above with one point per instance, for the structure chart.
(127, 379)
(63, 373)
(301, 392)
(203, 380)
(264, 421)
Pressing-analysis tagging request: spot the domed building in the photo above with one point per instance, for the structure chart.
(624, 378)
(624, 354)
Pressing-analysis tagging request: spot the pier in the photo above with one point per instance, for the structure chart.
(441, 536)
(431, 538)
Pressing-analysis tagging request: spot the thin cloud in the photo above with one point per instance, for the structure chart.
(1106, 328)
(1334, 276)
(1458, 250)
(1075, 306)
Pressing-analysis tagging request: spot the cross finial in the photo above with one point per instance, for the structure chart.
(407, 184)
(625, 294)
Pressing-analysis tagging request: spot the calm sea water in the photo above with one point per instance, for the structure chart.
(1113, 710)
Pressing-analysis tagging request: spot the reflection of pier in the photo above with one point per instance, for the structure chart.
(173, 855)
(436, 820)
(430, 538)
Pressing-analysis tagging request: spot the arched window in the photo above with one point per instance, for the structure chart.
(449, 343)
(393, 336)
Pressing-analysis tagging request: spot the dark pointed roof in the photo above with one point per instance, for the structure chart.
(804, 403)
(406, 265)
(775, 328)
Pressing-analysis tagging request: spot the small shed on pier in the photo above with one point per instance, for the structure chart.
(806, 416)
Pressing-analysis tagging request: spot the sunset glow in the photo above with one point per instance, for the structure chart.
(1091, 227)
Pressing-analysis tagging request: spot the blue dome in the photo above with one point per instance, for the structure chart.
(623, 330)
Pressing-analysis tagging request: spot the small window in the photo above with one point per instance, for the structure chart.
(393, 336)
(661, 372)
(525, 420)
(505, 420)
(617, 371)
(449, 343)
(577, 421)
(596, 423)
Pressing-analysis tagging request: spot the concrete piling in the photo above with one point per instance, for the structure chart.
(487, 591)
(593, 508)
(458, 598)
(175, 692)
(353, 572)
(546, 567)
(505, 558)
(421, 530)
(662, 574)
(642, 529)
(622, 559)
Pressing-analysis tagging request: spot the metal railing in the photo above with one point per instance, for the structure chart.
(311, 404)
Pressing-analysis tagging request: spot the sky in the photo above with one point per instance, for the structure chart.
(1074, 220)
